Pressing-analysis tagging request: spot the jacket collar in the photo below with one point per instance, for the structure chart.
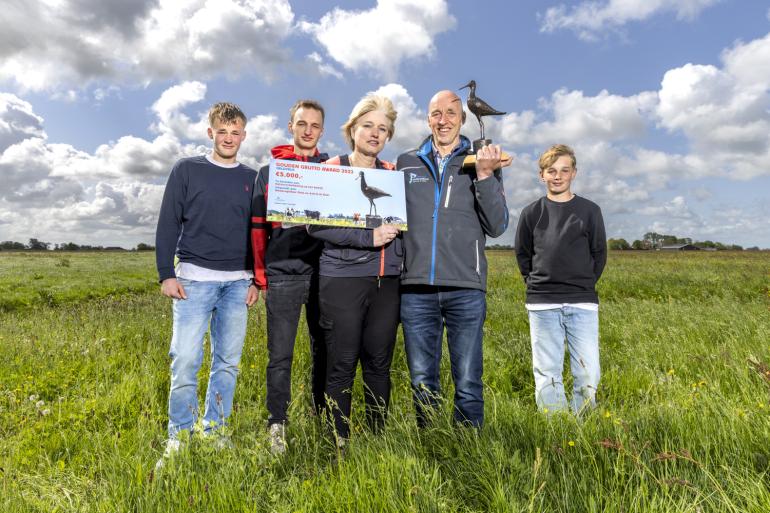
(426, 148)
(286, 152)
(344, 160)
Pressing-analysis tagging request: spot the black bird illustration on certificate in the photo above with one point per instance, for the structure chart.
(310, 193)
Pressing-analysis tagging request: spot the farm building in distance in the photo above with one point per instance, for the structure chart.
(679, 247)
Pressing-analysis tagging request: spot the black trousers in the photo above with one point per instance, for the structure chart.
(284, 305)
(359, 317)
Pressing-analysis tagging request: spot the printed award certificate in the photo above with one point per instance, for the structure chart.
(310, 193)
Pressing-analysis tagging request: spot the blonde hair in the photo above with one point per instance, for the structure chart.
(553, 153)
(365, 105)
(225, 112)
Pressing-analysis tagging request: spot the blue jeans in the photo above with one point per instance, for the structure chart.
(548, 330)
(223, 305)
(424, 313)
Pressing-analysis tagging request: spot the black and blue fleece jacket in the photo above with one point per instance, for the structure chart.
(450, 217)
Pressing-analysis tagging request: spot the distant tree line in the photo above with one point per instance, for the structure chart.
(650, 240)
(38, 245)
(653, 240)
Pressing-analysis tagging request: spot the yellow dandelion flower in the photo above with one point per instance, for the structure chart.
(670, 372)
(607, 414)
(571, 443)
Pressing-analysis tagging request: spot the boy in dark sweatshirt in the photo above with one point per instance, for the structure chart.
(561, 250)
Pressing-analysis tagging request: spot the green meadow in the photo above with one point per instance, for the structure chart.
(683, 422)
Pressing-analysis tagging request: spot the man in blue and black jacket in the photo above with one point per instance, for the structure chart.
(451, 210)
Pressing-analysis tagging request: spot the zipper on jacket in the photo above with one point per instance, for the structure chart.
(478, 271)
(437, 203)
(448, 192)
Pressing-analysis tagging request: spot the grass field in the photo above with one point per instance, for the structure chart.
(326, 221)
(683, 423)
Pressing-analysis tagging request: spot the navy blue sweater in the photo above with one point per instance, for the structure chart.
(205, 217)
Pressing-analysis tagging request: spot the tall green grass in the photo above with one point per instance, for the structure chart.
(51, 278)
(683, 421)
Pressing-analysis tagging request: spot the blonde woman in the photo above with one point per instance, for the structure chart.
(359, 282)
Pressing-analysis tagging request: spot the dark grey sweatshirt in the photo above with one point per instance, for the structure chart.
(561, 249)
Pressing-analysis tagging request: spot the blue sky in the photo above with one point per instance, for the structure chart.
(667, 103)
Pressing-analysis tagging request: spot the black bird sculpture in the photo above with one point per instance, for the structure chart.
(371, 193)
(479, 107)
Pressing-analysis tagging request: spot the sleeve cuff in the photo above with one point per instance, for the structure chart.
(165, 273)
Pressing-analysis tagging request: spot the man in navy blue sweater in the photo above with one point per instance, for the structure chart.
(204, 222)
(561, 250)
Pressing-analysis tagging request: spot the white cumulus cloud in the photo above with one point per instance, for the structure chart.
(171, 118)
(323, 67)
(77, 42)
(377, 40)
(592, 19)
(17, 121)
(572, 116)
(56, 192)
(411, 123)
(724, 112)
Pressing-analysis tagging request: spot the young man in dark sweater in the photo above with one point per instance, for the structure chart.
(561, 250)
(204, 222)
(286, 264)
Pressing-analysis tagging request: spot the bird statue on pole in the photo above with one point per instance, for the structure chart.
(370, 192)
(479, 108)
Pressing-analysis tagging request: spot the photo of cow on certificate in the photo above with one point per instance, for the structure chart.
(311, 193)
